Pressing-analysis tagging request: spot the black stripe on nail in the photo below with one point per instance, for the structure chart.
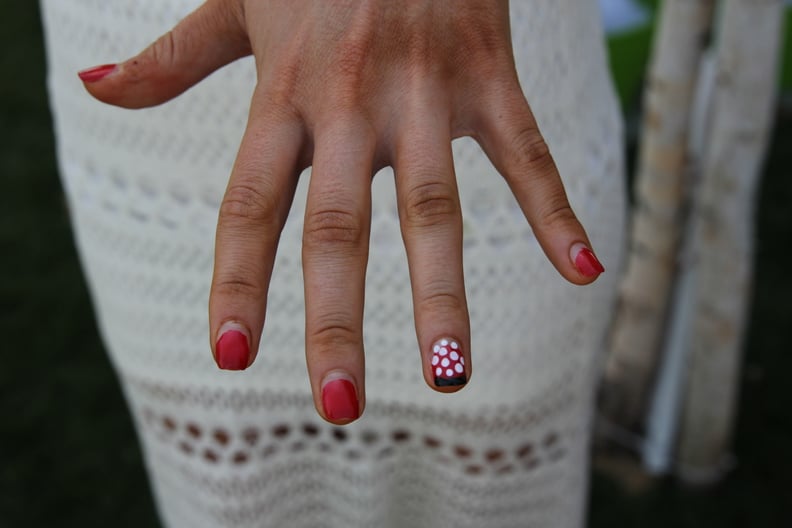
(450, 382)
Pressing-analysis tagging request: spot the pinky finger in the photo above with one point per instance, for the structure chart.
(511, 138)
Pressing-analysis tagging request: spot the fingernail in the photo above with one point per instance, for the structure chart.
(232, 349)
(97, 73)
(585, 260)
(339, 398)
(448, 363)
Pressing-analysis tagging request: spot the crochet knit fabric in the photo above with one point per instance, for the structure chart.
(229, 449)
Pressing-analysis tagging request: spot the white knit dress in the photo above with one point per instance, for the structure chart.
(231, 449)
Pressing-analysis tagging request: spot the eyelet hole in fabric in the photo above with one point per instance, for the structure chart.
(366, 444)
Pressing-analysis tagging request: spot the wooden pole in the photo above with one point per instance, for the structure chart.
(747, 62)
(657, 221)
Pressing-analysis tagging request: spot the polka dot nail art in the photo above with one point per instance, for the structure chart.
(448, 363)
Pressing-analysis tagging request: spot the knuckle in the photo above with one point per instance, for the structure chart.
(443, 302)
(419, 51)
(530, 151)
(430, 204)
(351, 71)
(332, 226)
(283, 87)
(482, 46)
(244, 203)
(238, 286)
(480, 39)
(164, 50)
(353, 55)
(335, 333)
(558, 215)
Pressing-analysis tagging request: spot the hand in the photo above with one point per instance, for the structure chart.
(349, 87)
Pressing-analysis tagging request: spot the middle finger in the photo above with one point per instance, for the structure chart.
(335, 255)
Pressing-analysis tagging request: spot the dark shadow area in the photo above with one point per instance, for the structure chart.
(69, 455)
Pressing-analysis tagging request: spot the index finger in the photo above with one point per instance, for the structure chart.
(250, 221)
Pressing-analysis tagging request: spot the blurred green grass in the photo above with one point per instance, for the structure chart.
(69, 455)
(629, 52)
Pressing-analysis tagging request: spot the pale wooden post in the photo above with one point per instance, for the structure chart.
(657, 219)
(748, 50)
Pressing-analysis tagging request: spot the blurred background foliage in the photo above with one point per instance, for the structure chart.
(68, 454)
(629, 50)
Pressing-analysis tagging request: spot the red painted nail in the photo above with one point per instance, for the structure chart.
(448, 364)
(97, 73)
(340, 401)
(586, 262)
(233, 352)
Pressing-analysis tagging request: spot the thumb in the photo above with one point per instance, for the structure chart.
(209, 38)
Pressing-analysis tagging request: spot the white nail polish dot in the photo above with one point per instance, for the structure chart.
(435, 360)
(444, 342)
(459, 368)
(462, 360)
(454, 345)
(439, 371)
(445, 362)
(454, 356)
(436, 348)
(443, 351)
(449, 372)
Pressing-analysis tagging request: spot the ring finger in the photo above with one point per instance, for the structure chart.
(431, 223)
(335, 255)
